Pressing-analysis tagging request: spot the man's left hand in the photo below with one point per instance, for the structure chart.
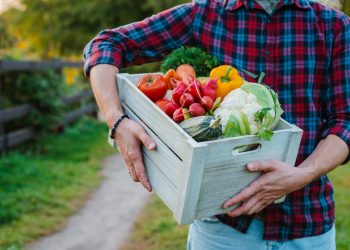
(277, 179)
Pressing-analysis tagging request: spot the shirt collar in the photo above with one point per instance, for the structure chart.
(251, 4)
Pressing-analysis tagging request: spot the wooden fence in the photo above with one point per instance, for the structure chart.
(13, 138)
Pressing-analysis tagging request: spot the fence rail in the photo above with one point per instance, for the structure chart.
(37, 65)
(14, 138)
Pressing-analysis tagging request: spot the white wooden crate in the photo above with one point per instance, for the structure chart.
(194, 178)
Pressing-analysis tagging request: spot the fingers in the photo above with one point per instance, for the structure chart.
(248, 207)
(244, 195)
(262, 166)
(131, 138)
(135, 156)
(146, 140)
(129, 165)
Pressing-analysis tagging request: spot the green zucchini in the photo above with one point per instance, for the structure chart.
(202, 128)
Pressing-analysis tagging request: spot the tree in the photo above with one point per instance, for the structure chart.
(63, 27)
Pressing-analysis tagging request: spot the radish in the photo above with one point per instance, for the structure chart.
(209, 89)
(195, 89)
(178, 115)
(178, 91)
(196, 110)
(170, 108)
(207, 102)
(186, 100)
(181, 114)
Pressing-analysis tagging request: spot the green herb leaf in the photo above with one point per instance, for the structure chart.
(193, 56)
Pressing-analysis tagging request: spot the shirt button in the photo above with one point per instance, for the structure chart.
(267, 52)
(269, 20)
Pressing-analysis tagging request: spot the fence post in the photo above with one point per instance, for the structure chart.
(2, 127)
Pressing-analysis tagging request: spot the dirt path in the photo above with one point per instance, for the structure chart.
(106, 219)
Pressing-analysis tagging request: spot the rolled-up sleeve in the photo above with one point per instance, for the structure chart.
(144, 41)
(337, 95)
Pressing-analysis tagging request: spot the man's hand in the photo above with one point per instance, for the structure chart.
(277, 180)
(129, 136)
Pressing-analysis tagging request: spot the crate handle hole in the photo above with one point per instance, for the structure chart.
(246, 149)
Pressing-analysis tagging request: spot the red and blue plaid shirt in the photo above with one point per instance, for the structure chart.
(304, 48)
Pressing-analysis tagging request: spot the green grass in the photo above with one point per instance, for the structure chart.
(156, 230)
(40, 188)
(340, 179)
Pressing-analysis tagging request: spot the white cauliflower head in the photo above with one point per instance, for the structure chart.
(251, 109)
(239, 100)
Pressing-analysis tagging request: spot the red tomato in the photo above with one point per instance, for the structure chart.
(153, 86)
(162, 104)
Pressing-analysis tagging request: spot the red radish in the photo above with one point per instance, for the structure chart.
(170, 108)
(186, 100)
(212, 83)
(196, 110)
(178, 115)
(178, 91)
(181, 114)
(209, 89)
(195, 89)
(207, 102)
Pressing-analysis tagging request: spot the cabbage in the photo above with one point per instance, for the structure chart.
(251, 109)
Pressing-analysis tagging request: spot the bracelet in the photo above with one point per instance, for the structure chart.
(116, 125)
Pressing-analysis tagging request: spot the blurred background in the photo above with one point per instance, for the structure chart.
(51, 143)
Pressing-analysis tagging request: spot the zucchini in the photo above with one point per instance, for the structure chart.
(202, 128)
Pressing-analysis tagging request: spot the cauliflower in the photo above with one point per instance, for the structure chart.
(251, 109)
(239, 100)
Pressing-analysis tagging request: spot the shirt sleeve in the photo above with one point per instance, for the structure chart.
(144, 41)
(337, 95)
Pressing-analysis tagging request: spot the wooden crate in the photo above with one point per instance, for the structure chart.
(194, 178)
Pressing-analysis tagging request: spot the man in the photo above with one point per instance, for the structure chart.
(304, 49)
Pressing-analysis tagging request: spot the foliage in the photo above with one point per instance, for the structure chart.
(43, 90)
(202, 62)
(38, 191)
(6, 40)
(65, 26)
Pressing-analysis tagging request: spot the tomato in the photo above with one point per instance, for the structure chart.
(153, 86)
(162, 104)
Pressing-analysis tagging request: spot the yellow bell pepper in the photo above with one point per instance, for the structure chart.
(227, 78)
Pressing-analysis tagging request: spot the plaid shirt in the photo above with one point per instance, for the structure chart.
(304, 48)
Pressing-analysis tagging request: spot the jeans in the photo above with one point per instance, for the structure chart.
(214, 235)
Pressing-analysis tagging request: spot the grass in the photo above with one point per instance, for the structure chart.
(156, 230)
(40, 188)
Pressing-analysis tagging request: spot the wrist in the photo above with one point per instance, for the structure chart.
(308, 172)
(113, 130)
(112, 118)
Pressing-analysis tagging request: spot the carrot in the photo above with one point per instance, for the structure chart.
(170, 74)
(185, 73)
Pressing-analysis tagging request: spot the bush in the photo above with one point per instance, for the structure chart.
(42, 89)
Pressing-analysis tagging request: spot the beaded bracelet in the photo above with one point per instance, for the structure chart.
(116, 125)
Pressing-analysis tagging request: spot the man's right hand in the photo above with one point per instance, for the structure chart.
(129, 136)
